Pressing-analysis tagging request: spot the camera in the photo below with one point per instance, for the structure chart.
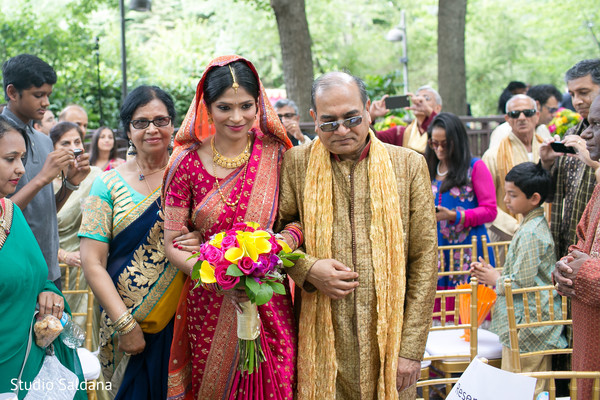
(77, 152)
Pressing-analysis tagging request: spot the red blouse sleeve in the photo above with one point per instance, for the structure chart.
(178, 198)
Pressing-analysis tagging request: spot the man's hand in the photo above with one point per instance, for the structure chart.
(378, 108)
(547, 155)
(292, 127)
(55, 163)
(79, 168)
(408, 373)
(581, 148)
(419, 107)
(485, 273)
(332, 278)
(566, 270)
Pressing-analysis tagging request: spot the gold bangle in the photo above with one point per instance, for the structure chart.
(124, 323)
(128, 328)
(123, 320)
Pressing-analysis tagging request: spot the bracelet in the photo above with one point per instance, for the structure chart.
(123, 320)
(69, 185)
(128, 328)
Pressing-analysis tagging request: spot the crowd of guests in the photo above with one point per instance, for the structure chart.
(366, 209)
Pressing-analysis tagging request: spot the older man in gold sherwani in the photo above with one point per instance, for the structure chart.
(521, 145)
(370, 269)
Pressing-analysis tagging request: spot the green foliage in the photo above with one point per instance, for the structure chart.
(170, 46)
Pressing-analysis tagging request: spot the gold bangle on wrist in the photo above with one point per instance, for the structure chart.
(126, 329)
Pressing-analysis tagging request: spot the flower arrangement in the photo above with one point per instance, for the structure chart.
(562, 121)
(250, 259)
(388, 122)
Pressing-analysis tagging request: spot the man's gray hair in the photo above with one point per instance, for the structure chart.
(584, 68)
(286, 103)
(333, 79)
(522, 97)
(438, 98)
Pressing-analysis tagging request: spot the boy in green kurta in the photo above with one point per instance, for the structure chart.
(529, 262)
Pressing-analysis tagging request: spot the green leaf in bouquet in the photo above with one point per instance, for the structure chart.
(287, 263)
(252, 285)
(196, 270)
(277, 287)
(233, 270)
(264, 294)
(292, 256)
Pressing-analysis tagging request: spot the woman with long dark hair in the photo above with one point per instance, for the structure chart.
(463, 190)
(103, 149)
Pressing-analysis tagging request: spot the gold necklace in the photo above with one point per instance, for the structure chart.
(230, 163)
(142, 176)
(5, 221)
(218, 184)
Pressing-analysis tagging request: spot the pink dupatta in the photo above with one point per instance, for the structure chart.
(203, 363)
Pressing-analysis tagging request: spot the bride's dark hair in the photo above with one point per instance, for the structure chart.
(219, 79)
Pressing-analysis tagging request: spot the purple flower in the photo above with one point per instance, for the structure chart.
(275, 247)
(247, 266)
(228, 242)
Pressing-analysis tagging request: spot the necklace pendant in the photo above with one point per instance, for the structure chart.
(142, 177)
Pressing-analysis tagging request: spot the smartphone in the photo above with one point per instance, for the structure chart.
(77, 152)
(397, 102)
(561, 148)
(437, 210)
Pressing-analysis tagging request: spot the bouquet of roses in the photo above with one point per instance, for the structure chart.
(250, 259)
(562, 121)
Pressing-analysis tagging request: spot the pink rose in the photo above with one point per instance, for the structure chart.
(246, 265)
(275, 247)
(212, 254)
(241, 226)
(229, 242)
(225, 281)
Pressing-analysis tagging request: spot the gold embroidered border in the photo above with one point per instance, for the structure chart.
(96, 218)
(135, 212)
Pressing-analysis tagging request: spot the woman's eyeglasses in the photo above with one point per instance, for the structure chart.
(144, 123)
(516, 113)
(434, 145)
(348, 123)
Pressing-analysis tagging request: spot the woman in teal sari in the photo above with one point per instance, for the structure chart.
(122, 253)
(23, 283)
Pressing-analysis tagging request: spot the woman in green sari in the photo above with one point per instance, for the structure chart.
(24, 284)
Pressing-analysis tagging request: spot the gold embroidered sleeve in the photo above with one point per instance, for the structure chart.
(96, 222)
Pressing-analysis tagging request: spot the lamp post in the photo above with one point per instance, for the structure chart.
(97, 48)
(137, 5)
(398, 34)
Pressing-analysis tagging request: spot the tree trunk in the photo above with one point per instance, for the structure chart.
(296, 55)
(451, 55)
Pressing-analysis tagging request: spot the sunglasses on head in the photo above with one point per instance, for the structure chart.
(348, 123)
(516, 113)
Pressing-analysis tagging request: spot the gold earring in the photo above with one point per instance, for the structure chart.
(210, 120)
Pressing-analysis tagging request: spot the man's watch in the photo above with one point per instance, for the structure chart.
(70, 186)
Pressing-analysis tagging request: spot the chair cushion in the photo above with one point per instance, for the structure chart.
(425, 363)
(89, 364)
(449, 342)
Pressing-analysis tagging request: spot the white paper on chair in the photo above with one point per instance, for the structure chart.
(484, 382)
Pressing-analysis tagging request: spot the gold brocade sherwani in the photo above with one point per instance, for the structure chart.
(355, 316)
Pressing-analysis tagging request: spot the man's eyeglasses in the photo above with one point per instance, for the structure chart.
(144, 123)
(348, 123)
(434, 144)
(287, 115)
(516, 113)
